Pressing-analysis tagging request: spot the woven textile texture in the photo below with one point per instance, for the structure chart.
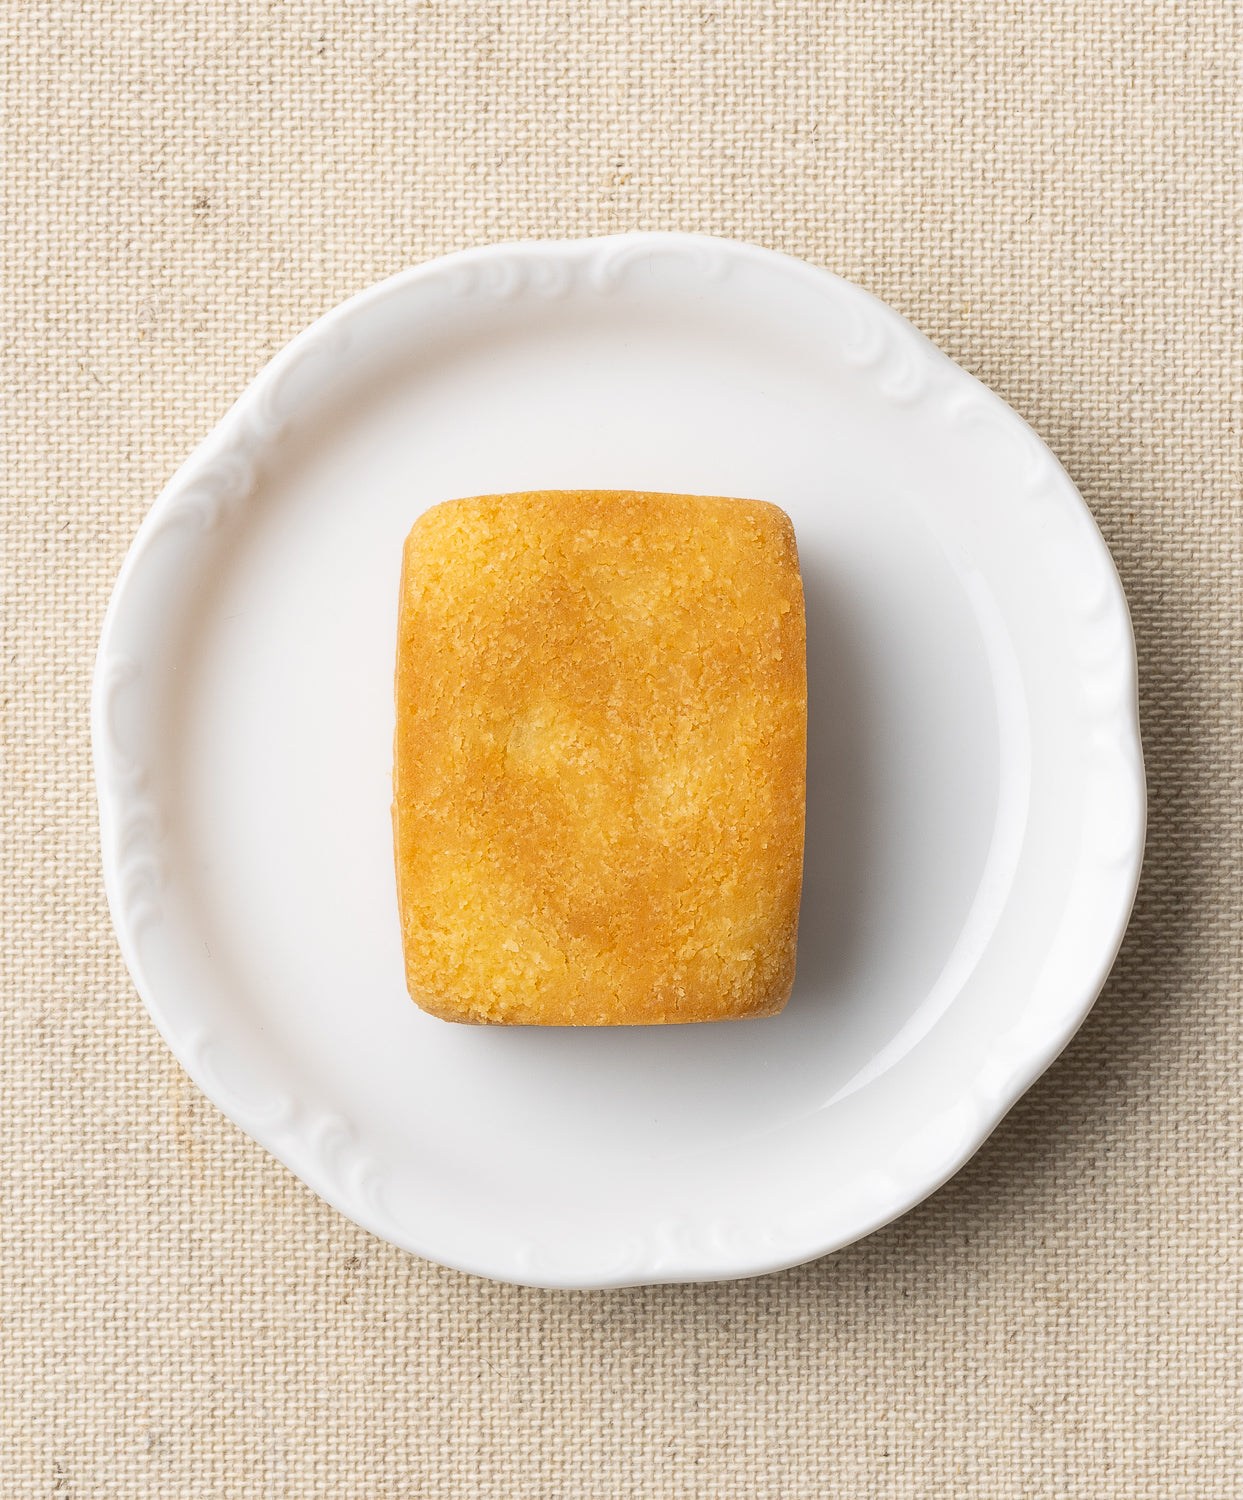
(1052, 193)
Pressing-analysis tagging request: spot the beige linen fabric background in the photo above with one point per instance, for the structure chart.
(1052, 193)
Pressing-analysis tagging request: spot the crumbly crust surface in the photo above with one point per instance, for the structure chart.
(599, 767)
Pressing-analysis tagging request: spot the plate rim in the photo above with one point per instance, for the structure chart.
(230, 448)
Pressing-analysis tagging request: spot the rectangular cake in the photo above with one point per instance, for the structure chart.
(599, 767)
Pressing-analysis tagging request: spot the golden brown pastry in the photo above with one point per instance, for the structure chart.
(599, 768)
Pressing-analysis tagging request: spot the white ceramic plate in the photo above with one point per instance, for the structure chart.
(975, 789)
